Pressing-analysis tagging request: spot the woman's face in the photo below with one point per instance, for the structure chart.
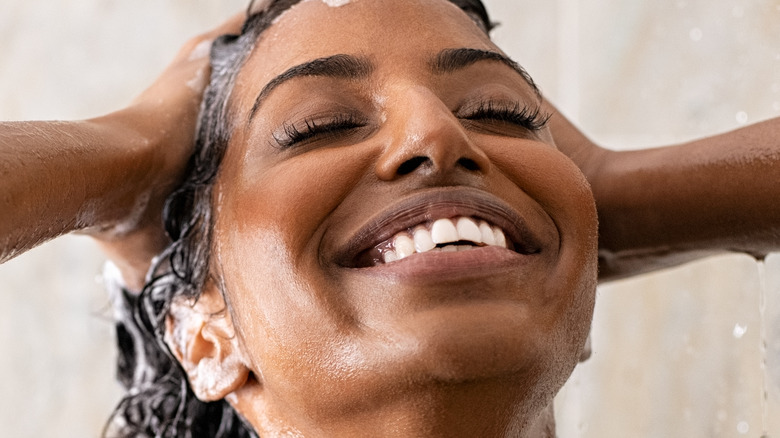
(405, 123)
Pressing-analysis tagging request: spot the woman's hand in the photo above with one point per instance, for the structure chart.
(107, 177)
(166, 115)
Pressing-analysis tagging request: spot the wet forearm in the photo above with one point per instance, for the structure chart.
(57, 177)
(660, 207)
(665, 206)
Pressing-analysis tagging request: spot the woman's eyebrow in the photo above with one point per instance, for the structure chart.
(451, 60)
(336, 66)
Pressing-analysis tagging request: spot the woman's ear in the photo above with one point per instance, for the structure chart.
(202, 337)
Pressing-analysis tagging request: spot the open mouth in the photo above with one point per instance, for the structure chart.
(445, 220)
(447, 235)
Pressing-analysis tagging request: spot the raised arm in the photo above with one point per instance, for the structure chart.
(665, 206)
(108, 176)
(90, 175)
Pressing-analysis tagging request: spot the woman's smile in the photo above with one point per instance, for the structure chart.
(451, 231)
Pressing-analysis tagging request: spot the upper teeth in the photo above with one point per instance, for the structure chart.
(425, 238)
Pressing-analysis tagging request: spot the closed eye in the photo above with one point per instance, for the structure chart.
(312, 128)
(523, 116)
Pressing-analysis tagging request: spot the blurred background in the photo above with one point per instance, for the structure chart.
(676, 353)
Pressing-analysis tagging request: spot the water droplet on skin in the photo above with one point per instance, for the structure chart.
(742, 117)
(743, 427)
(739, 331)
(696, 34)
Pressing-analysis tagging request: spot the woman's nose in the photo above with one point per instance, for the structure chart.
(427, 138)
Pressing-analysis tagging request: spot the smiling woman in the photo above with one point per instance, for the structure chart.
(339, 326)
(383, 226)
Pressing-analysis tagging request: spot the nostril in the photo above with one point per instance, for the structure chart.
(411, 165)
(468, 164)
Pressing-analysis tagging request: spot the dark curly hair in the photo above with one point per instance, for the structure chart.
(159, 401)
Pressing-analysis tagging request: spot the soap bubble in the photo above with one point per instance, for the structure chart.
(742, 117)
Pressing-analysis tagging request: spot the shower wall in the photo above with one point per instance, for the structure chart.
(676, 353)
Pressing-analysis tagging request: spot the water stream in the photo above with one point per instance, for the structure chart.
(762, 347)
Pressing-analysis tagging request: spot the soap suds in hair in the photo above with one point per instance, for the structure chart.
(336, 3)
(331, 3)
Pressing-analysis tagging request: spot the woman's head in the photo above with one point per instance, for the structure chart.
(329, 142)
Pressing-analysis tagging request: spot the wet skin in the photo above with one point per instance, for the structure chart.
(438, 343)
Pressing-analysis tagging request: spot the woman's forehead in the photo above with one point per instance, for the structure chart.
(387, 31)
(372, 25)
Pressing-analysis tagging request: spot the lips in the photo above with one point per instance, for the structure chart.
(450, 219)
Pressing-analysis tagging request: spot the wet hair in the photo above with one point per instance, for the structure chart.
(159, 401)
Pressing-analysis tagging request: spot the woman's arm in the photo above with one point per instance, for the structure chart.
(665, 206)
(59, 177)
(109, 176)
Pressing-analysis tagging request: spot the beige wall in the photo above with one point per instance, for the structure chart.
(631, 73)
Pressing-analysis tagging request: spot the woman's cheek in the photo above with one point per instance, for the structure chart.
(559, 187)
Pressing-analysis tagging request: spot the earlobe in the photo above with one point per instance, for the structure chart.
(201, 336)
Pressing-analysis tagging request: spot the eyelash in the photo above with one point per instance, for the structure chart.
(525, 117)
(315, 127)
